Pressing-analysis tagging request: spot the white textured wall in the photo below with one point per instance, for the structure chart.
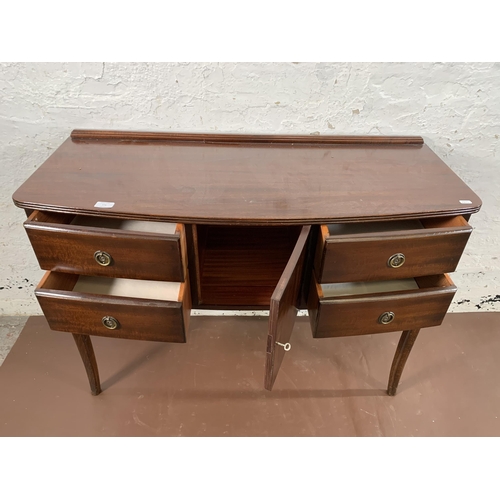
(455, 107)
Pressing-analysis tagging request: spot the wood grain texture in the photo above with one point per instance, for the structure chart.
(363, 257)
(244, 205)
(187, 303)
(116, 135)
(37, 216)
(403, 350)
(283, 311)
(358, 314)
(251, 183)
(86, 350)
(241, 266)
(308, 266)
(194, 262)
(82, 313)
(69, 248)
(59, 281)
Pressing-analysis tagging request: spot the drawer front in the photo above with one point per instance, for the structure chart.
(139, 319)
(362, 315)
(367, 257)
(72, 249)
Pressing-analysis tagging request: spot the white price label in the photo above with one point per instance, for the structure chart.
(104, 204)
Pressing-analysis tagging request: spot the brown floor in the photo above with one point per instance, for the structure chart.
(10, 328)
(213, 385)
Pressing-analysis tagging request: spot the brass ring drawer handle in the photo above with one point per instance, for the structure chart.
(110, 322)
(386, 318)
(102, 258)
(396, 260)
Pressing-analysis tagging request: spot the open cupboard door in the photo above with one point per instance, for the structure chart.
(283, 310)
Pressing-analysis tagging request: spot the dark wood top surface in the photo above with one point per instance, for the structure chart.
(246, 179)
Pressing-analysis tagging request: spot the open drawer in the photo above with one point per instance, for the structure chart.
(342, 309)
(103, 246)
(115, 307)
(389, 250)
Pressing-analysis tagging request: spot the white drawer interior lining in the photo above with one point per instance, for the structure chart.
(143, 226)
(365, 287)
(374, 227)
(121, 287)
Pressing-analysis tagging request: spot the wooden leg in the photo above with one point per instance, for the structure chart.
(406, 342)
(86, 350)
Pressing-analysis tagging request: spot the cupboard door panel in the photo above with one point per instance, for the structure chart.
(283, 310)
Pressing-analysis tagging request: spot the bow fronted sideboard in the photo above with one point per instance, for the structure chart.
(135, 229)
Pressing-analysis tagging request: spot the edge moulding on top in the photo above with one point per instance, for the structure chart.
(303, 140)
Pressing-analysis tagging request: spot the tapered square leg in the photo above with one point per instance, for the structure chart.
(403, 350)
(86, 351)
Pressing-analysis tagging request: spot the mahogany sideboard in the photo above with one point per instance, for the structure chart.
(136, 228)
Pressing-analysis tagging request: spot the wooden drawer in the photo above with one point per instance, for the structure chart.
(137, 249)
(143, 310)
(363, 251)
(338, 310)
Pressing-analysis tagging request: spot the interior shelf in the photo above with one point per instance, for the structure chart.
(241, 265)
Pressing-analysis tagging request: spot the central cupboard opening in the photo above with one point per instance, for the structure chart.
(240, 266)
